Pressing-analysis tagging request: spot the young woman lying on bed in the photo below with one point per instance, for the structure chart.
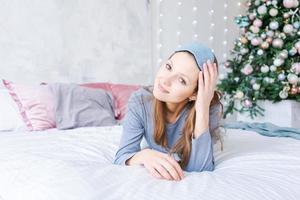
(177, 116)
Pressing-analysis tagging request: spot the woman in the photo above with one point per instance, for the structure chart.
(176, 117)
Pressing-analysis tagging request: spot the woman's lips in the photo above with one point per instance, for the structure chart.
(162, 89)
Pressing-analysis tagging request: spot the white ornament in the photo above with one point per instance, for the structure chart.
(257, 3)
(283, 54)
(266, 79)
(239, 94)
(236, 79)
(273, 12)
(274, 25)
(264, 69)
(273, 68)
(292, 78)
(283, 94)
(254, 29)
(274, 2)
(296, 25)
(260, 52)
(278, 62)
(270, 33)
(262, 10)
(277, 43)
(292, 51)
(263, 36)
(256, 86)
(281, 77)
(288, 28)
(244, 51)
(286, 15)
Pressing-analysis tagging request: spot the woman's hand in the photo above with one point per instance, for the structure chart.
(206, 86)
(160, 165)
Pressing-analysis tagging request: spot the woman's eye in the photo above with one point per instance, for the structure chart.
(168, 66)
(181, 80)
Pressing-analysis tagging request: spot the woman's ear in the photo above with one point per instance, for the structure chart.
(193, 97)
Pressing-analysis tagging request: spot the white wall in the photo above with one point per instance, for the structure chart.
(104, 40)
(75, 41)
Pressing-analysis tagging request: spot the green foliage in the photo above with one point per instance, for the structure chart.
(259, 57)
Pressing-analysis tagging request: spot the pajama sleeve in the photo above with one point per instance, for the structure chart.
(133, 131)
(201, 156)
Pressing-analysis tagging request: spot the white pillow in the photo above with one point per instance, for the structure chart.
(10, 118)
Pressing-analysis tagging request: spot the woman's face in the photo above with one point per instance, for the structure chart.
(176, 79)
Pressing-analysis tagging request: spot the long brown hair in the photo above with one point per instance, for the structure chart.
(183, 145)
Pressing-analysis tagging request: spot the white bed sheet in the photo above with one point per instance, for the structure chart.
(76, 164)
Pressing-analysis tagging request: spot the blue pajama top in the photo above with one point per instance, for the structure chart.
(138, 124)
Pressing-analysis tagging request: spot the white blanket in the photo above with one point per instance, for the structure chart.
(76, 164)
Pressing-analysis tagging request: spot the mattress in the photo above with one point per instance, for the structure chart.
(77, 164)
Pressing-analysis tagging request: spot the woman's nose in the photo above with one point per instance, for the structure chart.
(168, 80)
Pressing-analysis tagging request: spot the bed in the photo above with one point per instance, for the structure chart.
(77, 164)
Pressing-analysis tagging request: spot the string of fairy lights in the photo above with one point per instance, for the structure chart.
(211, 16)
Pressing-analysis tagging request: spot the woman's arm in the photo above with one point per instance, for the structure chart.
(201, 157)
(133, 131)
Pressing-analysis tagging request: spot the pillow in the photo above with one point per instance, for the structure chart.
(120, 92)
(35, 104)
(77, 106)
(10, 118)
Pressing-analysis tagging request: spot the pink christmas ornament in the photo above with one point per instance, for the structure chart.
(256, 41)
(248, 69)
(257, 23)
(269, 40)
(248, 103)
(296, 68)
(294, 90)
(288, 3)
(265, 45)
(251, 16)
(297, 45)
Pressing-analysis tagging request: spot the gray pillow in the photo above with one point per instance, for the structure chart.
(77, 106)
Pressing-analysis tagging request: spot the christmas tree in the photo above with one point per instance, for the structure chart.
(264, 63)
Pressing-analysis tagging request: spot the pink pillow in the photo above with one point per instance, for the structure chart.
(120, 92)
(35, 103)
